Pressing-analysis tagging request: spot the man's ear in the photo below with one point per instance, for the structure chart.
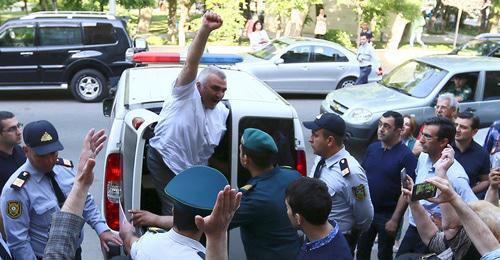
(298, 219)
(26, 149)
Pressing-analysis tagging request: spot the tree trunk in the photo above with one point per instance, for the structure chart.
(171, 22)
(54, 5)
(457, 26)
(26, 6)
(144, 20)
(43, 5)
(182, 22)
(398, 28)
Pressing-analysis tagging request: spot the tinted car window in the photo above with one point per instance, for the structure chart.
(477, 48)
(325, 54)
(297, 55)
(23, 36)
(492, 88)
(98, 33)
(60, 35)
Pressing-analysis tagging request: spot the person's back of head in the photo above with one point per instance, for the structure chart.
(309, 198)
(260, 147)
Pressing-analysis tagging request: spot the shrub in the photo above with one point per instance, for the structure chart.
(341, 37)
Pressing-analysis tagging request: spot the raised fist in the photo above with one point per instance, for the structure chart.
(211, 20)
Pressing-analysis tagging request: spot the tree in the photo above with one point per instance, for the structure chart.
(145, 17)
(495, 16)
(171, 22)
(281, 10)
(232, 16)
(469, 6)
(4, 4)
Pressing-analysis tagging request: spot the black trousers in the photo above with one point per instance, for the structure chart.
(161, 175)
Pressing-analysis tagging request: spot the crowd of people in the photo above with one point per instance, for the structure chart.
(340, 207)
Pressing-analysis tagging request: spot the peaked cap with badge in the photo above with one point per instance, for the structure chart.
(329, 121)
(42, 137)
(195, 189)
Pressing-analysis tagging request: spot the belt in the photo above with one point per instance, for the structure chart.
(365, 66)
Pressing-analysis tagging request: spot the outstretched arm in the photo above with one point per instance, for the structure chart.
(210, 21)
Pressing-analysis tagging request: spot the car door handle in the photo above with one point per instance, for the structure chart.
(26, 53)
(74, 51)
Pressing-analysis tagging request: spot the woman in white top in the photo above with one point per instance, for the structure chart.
(258, 38)
(320, 29)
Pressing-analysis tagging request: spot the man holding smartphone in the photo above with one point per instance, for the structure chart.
(385, 162)
(437, 135)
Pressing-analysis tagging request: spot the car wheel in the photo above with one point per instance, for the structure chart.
(88, 85)
(347, 82)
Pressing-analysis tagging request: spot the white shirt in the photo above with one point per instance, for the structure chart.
(366, 55)
(258, 39)
(188, 133)
(456, 175)
(169, 245)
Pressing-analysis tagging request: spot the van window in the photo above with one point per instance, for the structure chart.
(492, 86)
(60, 36)
(21, 36)
(98, 33)
(282, 130)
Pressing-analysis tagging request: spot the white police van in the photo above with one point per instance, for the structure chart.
(139, 98)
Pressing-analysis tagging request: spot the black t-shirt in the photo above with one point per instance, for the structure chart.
(10, 163)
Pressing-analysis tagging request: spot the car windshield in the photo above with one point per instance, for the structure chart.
(269, 50)
(477, 48)
(414, 78)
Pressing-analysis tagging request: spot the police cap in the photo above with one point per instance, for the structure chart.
(41, 136)
(195, 189)
(258, 141)
(329, 121)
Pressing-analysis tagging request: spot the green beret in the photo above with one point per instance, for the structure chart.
(258, 141)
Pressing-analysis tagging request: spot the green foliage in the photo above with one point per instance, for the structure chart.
(232, 17)
(341, 37)
(129, 4)
(155, 40)
(282, 9)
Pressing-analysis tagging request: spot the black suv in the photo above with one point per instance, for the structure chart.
(85, 51)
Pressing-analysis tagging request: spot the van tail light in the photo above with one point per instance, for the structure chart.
(301, 162)
(137, 122)
(112, 190)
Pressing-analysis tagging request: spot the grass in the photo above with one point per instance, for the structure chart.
(4, 16)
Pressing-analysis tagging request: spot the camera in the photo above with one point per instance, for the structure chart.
(423, 191)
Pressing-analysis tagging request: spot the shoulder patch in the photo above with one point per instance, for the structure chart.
(20, 180)
(64, 162)
(246, 188)
(344, 167)
(14, 208)
(359, 192)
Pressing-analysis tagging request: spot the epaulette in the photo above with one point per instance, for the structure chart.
(344, 167)
(64, 162)
(246, 188)
(156, 230)
(20, 180)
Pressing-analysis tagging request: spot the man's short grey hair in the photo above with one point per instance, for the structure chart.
(203, 76)
(451, 98)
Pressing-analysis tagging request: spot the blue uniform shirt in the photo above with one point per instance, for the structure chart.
(27, 212)
(383, 170)
(10, 163)
(475, 160)
(266, 231)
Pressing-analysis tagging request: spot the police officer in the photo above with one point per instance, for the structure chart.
(38, 189)
(194, 192)
(346, 180)
(266, 231)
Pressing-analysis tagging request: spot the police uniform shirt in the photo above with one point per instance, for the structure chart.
(188, 133)
(169, 245)
(456, 175)
(27, 212)
(351, 203)
(266, 231)
(9, 163)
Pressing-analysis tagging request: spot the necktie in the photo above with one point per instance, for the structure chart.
(3, 253)
(57, 190)
(319, 167)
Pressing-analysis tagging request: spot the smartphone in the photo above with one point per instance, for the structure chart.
(423, 191)
(404, 184)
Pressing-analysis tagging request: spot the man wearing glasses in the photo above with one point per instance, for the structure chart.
(11, 153)
(437, 135)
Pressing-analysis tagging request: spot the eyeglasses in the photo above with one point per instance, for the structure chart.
(13, 128)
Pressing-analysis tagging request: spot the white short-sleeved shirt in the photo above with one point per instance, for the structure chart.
(165, 246)
(188, 132)
(456, 175)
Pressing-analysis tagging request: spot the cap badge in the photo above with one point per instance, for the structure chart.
(319, 116)
(46, 137)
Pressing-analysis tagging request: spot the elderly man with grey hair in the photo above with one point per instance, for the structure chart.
(193, 119)
(446, 106)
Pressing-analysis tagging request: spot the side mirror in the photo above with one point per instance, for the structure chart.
(279, 61)
(140, 44)
(107, 106)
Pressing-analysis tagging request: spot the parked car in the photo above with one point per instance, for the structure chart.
(479, 47)
(80, 51)
(135, 112)
(413, 88)
(304, 65)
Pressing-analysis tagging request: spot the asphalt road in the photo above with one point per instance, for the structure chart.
(73, 119)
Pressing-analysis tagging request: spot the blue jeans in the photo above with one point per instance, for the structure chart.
(385, 240)
(363, 74)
